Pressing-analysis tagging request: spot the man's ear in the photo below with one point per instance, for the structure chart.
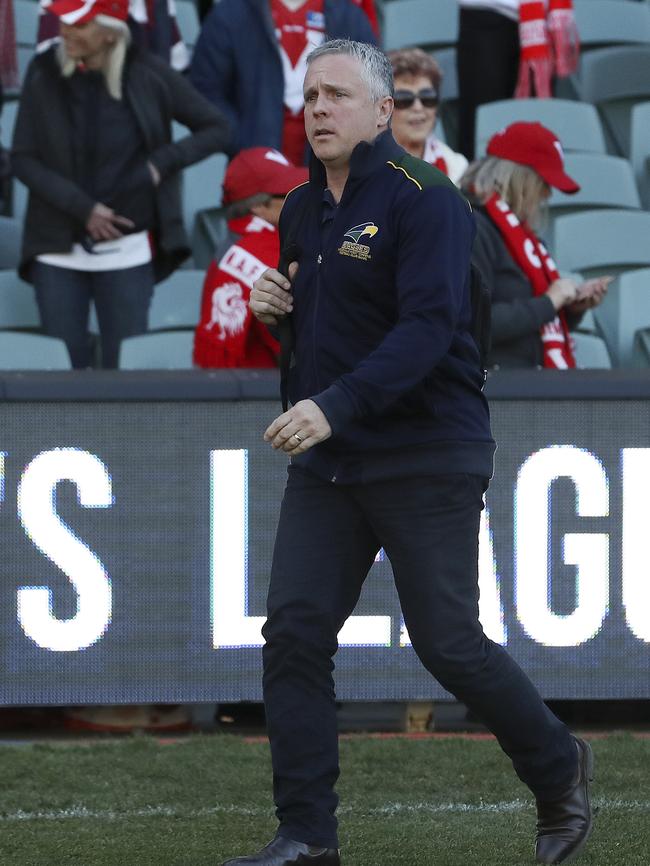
(384, 111)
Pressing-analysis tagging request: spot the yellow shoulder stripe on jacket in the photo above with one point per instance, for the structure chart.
(400, 168)
(293, 188)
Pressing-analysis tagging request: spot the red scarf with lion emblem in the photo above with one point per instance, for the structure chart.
(228, 334)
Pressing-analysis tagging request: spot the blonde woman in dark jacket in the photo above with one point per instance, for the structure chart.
(93, 145)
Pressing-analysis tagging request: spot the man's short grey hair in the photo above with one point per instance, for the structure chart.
(376, 69)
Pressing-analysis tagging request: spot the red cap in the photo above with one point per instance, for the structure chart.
(80, 11)
(536, 146)
(260, 169)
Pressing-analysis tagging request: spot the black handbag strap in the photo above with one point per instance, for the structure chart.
(290, 252)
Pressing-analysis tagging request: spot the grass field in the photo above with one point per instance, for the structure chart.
(404, 802)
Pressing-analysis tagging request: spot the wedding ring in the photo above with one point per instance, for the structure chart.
(299, 438)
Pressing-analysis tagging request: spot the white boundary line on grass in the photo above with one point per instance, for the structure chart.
(503, 807)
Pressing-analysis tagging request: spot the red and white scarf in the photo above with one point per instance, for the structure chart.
(533, 258)
(549, 45)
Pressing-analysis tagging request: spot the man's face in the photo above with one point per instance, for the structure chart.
(339, 111)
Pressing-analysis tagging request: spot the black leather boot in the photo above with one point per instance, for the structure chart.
(286, 852)
(564, 825)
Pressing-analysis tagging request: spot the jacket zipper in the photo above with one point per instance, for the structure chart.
(319, 261)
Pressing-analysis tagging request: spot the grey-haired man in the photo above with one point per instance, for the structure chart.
(390, 446)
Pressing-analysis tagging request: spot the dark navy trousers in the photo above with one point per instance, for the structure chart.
(327, 539)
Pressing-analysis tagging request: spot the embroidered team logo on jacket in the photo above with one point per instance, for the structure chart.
(353, 247)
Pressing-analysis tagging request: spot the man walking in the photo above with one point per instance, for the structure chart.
(390, 445)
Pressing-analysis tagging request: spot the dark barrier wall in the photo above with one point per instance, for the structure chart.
(137, 516)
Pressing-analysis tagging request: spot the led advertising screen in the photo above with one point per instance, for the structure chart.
(137, 539)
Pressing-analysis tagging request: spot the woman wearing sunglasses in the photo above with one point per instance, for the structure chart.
(417, 95)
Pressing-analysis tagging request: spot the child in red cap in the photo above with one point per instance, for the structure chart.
(254, 188)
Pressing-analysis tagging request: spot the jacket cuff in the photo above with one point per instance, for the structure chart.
(81, 206)
(337, 406)
(545, 310)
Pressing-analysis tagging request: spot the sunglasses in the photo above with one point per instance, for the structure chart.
(405, 98)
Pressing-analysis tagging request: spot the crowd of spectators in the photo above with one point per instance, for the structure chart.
(95, 148)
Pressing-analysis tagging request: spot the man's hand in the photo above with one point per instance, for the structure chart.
(104, 224)
(297, 430)
(270, 298)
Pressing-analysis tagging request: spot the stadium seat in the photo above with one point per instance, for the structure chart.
(605, 181)
(590, 352)
(446, 59)
(587, 324)
(163, 350)
(447, 125)
(202, 188)
(10, 236)
(19, 200)
(640, 149)
(641, 348)
(20, 351)
(576, 124)
(18, 308)
(26, 14)
(602, 241)
(611, 22)
(420, 22)
(614, 80)
(176, 302)
(25, 54)
(7, 123)
(625, 309)
(187, 18)
(211, 237)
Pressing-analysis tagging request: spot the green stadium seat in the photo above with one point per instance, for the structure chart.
(162, 350)
(176, 302)
(614, 80)
(609, 22)
(18, 308)
(605, 181)
(625, 309)
(202, 188)
(211, 237)
(26, 14)
(590, 352)
(10, 238)
(641, 349)
(7, 123)
(187, 18)
(640, 149)
(420, 22)
(576, 124)
(447, 125)
(21, 351)
(602, 241)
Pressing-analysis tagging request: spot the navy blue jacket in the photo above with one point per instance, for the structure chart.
(236, 65)
(382, 316)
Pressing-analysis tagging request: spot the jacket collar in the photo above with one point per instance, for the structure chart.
(367, 157)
